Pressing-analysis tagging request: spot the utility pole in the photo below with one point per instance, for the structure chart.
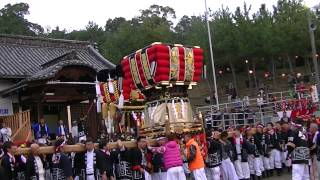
(312, 28)
(212, 61)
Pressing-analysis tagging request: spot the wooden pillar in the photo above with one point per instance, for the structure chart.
(40, 110)
(69, 117)
(20, 109)
(92, 120)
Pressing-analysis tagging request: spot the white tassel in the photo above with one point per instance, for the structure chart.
(110, 85)
(132, 131)
(121, 101)
(106, 123)
(182, 108)
(134, 115)
(120, 83)
(153, 110)
(98, 105)
(109, 125)
(153, 68)
(123, 118)
(174, 109)
(98, 91)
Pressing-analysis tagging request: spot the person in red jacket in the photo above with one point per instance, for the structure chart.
(194, 158)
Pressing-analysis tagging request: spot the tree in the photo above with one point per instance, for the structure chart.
(112, 25)
(225, 40)
(12, 21)
(292, 29)
(153, 25)
(264, 29)
(57, 33)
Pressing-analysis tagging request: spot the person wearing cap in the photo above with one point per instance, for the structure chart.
(89, 165)
(159, 171)
(61, 167)
(214, 157)
(240, 155)
(254, 159)
(194, 158)
(262, 146)
(275, 156)
(299, 152)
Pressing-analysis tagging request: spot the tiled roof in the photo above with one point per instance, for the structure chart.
(35, 58)
(51, 71)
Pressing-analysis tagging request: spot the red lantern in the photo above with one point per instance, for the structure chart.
(160, 63)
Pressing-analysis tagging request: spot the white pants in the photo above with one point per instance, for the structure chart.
(300, 172)
(214, 173)
(275, 159)
(91, 177)
(254, 165)
(176, 173)
(147, 176)
(159, 176)
(261, 163)
(266, 163)
(185, 167)
(228, 171)
(199, 174)
(318, 168)
(284, 159)
(242, 169)
(314, 168)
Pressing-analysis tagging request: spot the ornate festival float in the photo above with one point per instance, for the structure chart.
(163, 73)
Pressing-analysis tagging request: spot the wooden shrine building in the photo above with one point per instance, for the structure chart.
(49, 78)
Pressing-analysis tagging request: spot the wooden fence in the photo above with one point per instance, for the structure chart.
(20, 126)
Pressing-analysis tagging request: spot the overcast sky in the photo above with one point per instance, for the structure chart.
(75, 14)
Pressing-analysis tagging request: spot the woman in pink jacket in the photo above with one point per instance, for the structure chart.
(172, 158)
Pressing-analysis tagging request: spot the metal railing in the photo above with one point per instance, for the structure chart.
(250, 111)
(252, 102)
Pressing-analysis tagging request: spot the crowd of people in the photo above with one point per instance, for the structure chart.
(251, 152)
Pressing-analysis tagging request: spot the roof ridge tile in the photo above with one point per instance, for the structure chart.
(42, 41)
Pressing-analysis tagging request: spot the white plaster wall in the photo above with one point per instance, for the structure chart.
(4, 84)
